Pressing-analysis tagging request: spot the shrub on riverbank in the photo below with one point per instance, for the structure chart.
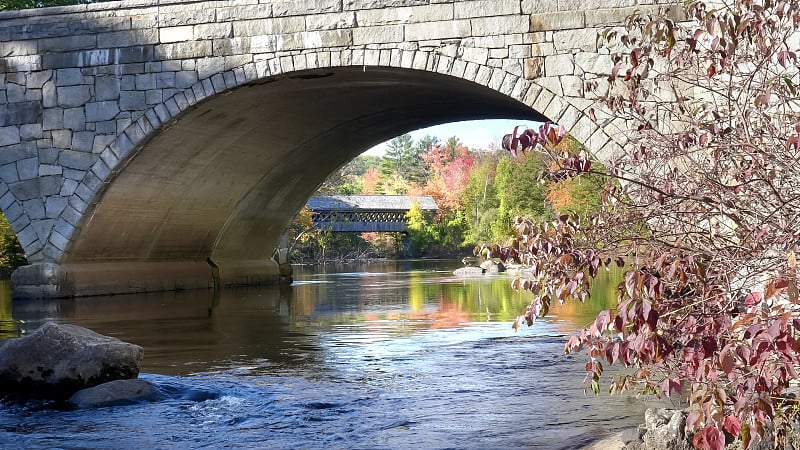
(702, 210)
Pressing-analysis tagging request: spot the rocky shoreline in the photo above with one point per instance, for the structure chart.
(664, 429)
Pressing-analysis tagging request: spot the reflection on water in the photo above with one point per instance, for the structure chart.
(603, 296)
(8, 328)
(389, 355)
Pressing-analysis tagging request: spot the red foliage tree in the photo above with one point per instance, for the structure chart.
(702, 209)
(449, 171)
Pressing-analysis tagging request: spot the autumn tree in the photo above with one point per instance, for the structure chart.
(370, 181)
(447, 178)
(449, 174)
(702, 211)
(578, 196)
(419, 169)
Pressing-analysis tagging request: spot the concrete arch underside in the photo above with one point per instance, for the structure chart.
(218, 182)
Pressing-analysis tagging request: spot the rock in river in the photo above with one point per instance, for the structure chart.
(490, 266)
(58, 360)
(468, 271)
(116, 393)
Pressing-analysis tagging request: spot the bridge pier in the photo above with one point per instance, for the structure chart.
(283, 259)
(49, 280)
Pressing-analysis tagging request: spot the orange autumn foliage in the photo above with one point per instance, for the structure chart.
(559, 194)
(371, 178)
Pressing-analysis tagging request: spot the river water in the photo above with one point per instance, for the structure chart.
(389, 355)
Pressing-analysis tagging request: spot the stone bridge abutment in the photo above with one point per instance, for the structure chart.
(140, 140)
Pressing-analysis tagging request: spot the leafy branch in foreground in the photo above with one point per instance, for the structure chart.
(702, 209)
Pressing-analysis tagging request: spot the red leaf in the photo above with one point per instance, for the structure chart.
(733, 425)
(619, 323)
(726, 362)
(525, 142)
(573, 344)
(665, 385)
(793, 142)
(753, 299)
(709, 438)
(709, 345)
(652, 319)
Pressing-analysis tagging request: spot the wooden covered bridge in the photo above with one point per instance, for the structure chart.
(363, 213)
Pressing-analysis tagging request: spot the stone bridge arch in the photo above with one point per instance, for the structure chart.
(113, 110)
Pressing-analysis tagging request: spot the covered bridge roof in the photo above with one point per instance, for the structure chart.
(370, 202)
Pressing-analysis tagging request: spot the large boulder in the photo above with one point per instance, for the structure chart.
(58, 360)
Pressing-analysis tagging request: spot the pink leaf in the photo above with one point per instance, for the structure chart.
(753, 299)
(693, 419)
(709, 438)
(733, 425)
(602, 321)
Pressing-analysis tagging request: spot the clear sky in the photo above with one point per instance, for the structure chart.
(475, 134)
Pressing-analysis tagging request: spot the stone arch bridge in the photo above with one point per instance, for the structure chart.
(145, 142)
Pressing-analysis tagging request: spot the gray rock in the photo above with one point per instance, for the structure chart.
(116, 393)
(58, 360)
(490, 266)
(468, 271)
(632, 435)
(656, 417)
(665, 429)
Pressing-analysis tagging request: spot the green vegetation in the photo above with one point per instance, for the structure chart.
(11, 253)
(9, 5)
(479, 192)
(421, 232)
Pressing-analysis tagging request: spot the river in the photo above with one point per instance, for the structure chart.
(390, 355)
